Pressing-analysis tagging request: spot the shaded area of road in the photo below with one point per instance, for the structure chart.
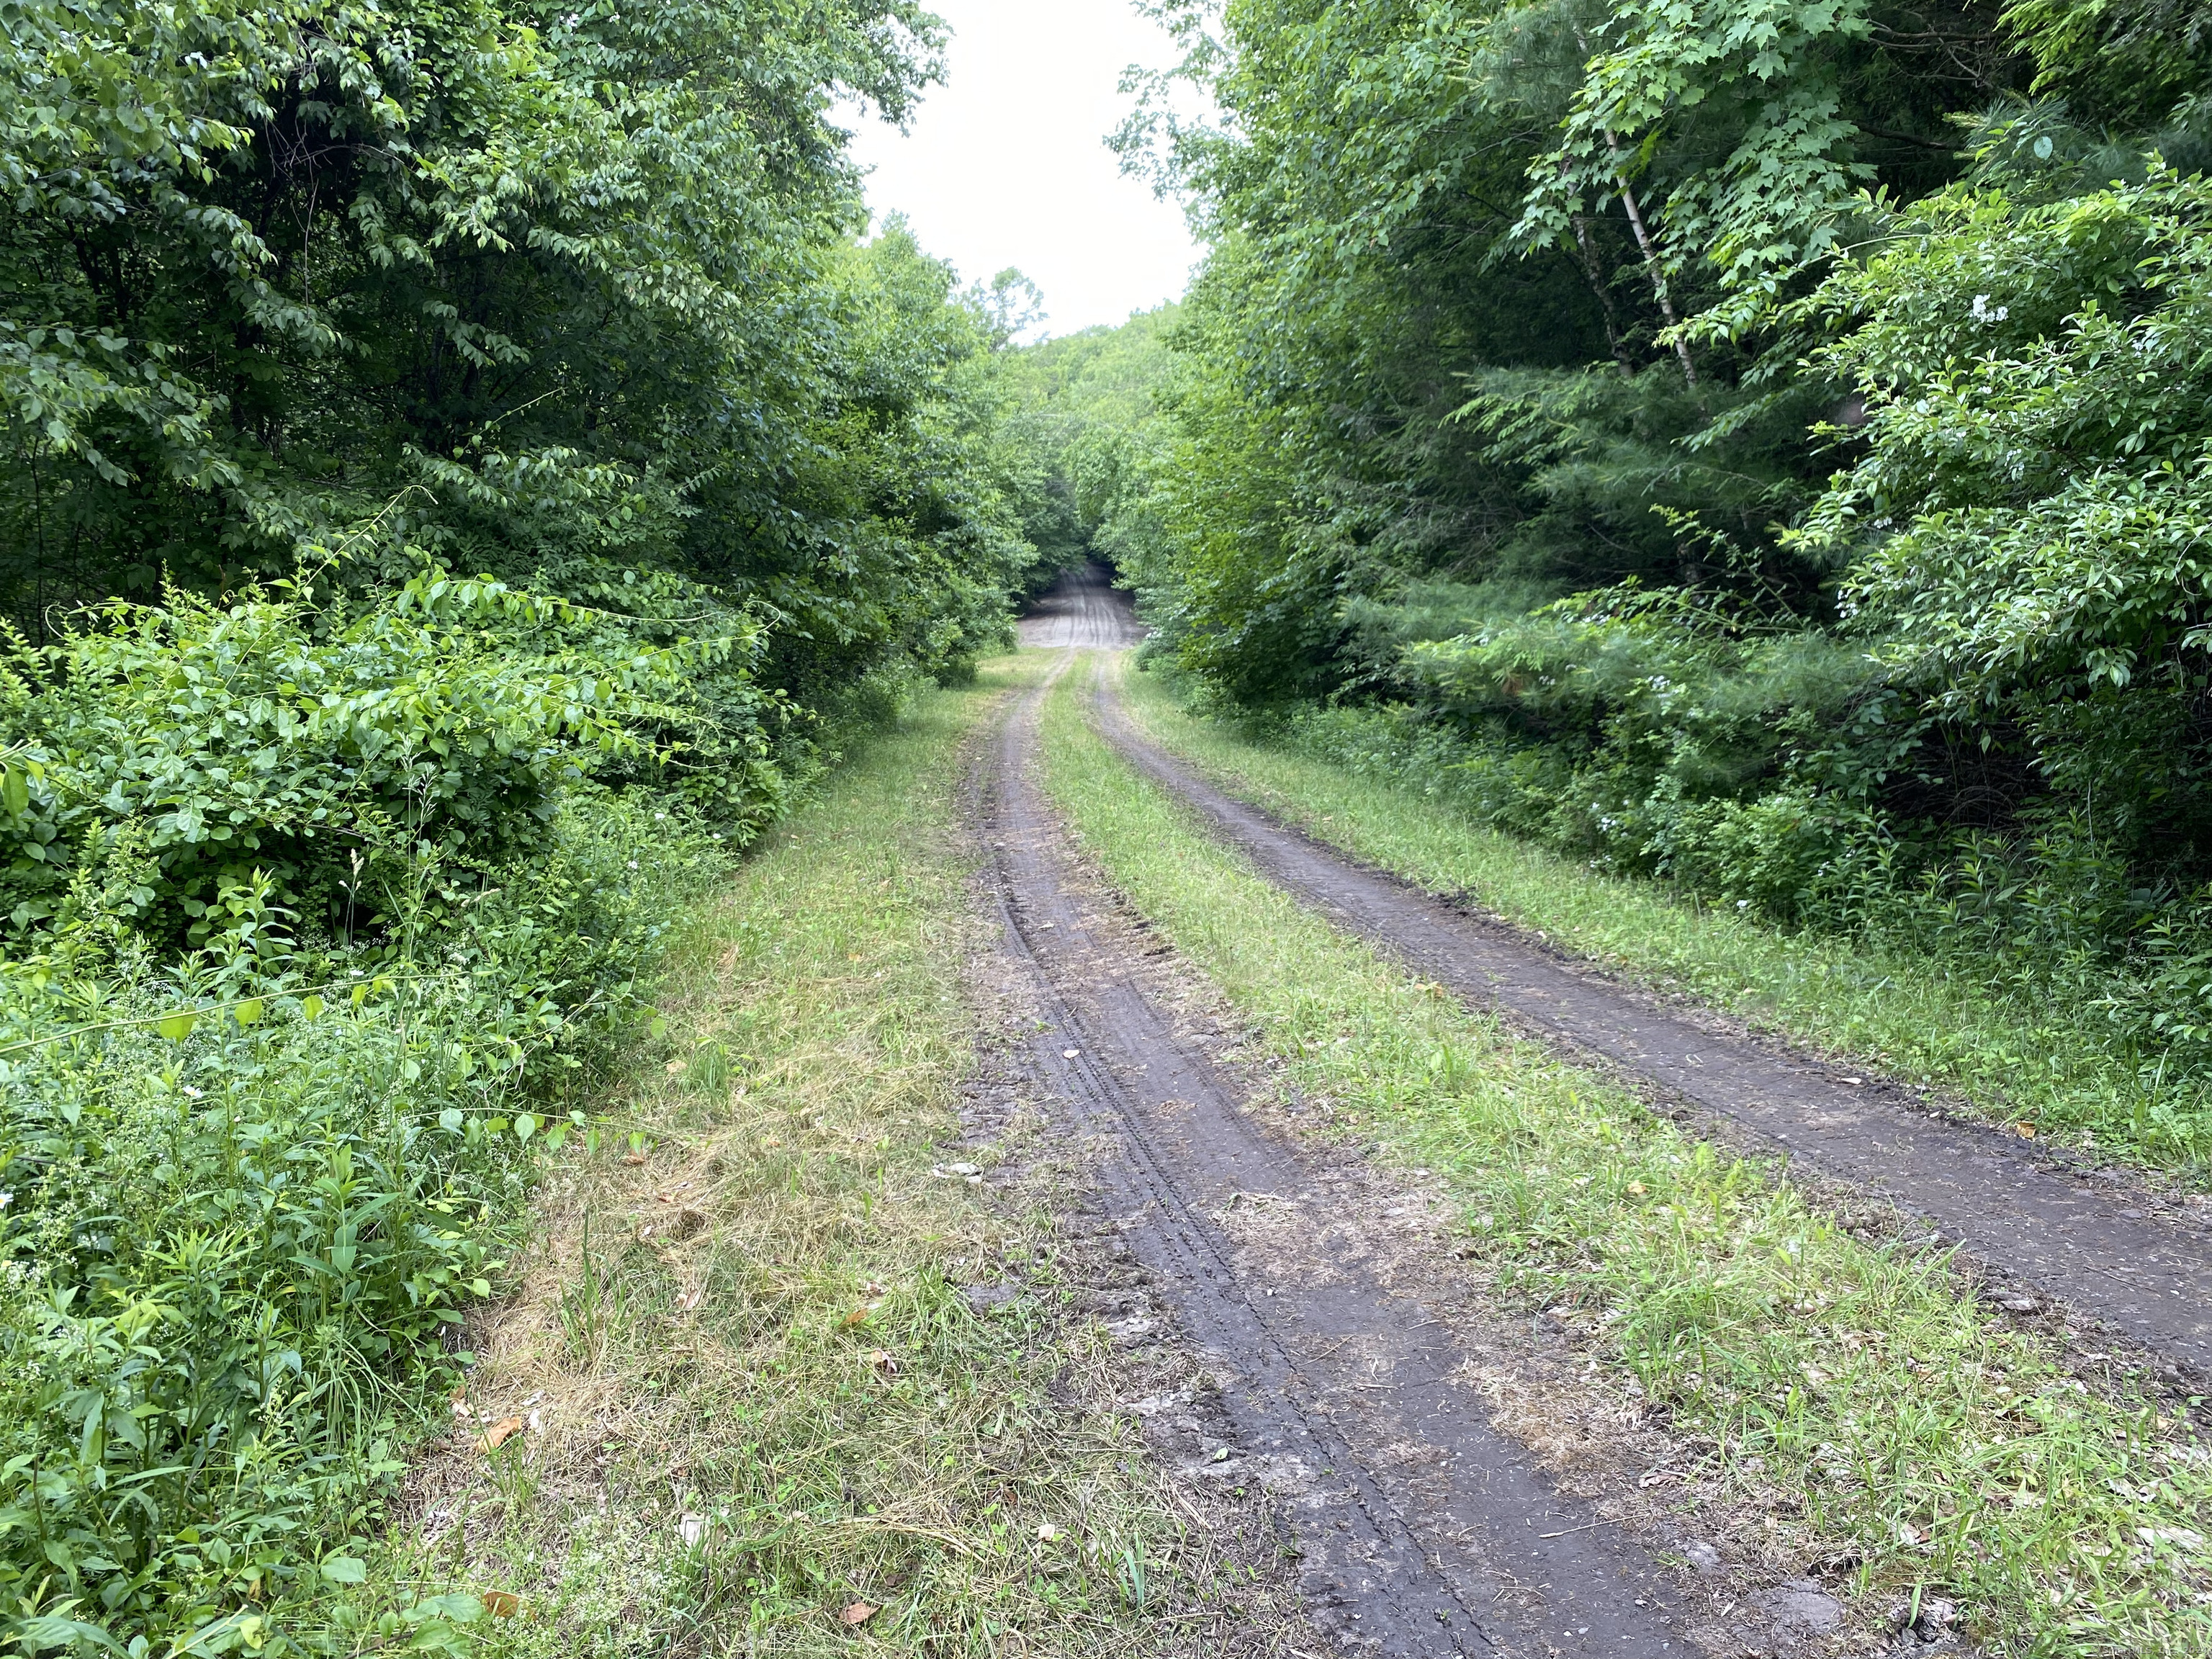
(1083, 611)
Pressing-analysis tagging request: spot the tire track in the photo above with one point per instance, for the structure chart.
(1421, 1529)
(2109, 1251)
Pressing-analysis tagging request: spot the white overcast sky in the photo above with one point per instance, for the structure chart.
(1007, 163)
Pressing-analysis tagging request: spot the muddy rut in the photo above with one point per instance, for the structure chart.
(1419, 1528)
(2103, 1247)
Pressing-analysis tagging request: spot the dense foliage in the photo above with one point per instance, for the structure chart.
(462, 470)
(1083, 438)
(1760, 443)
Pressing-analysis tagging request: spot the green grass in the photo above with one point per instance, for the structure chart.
(1845, 1386)
(2025, 1061)
(747, 1311)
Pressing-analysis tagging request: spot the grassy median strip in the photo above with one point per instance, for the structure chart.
(744, 1400)
(2028, 1062)
(1905, 1429)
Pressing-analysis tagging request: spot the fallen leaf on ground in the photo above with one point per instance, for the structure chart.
(501, 1432)
(859, 1613)
(883, 1362)
(691, 1298)
(501, 1604)
(2180, 1537)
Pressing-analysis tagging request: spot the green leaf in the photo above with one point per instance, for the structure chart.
(344, 1569)
(177, 1026)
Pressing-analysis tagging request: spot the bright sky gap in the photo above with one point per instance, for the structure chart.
(1007, 165)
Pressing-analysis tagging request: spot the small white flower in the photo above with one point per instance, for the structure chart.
(633, 864)
(189, 1092)
(6, 1199)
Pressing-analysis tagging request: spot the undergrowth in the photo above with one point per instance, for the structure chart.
(240, 1226)
(1882, 1417)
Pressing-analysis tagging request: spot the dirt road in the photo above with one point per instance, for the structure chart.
(1420, 1529)
(2100, 1246)
(1084, 612)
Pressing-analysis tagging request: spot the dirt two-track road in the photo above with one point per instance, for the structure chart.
(1347, 1368)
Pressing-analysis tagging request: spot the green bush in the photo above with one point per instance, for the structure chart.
(324, 921)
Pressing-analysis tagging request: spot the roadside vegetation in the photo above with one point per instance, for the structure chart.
(1842, 1389)
(2045, 1068)
(464, 475)
(1757, 446)
(775, 1379)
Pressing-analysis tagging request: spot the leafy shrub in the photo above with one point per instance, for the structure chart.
(324, 922)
